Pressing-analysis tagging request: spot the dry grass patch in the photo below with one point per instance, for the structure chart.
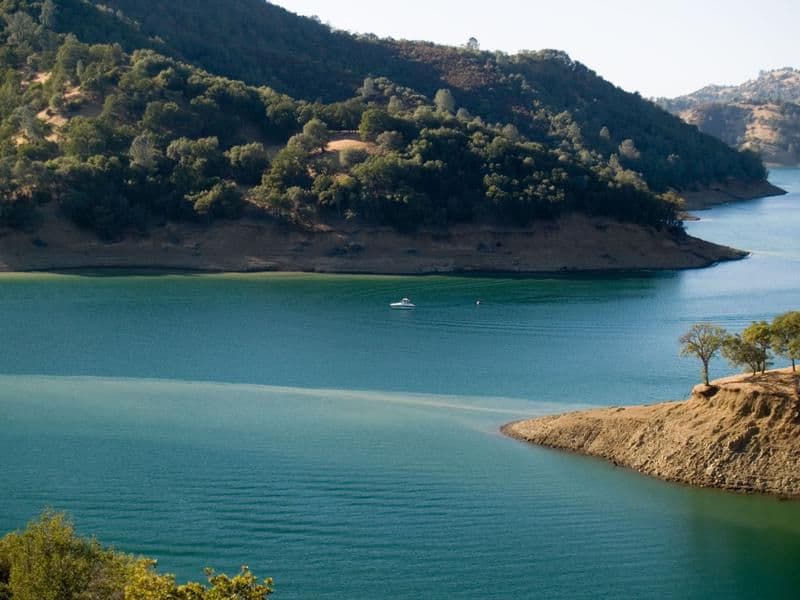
(761, 125)
(42, 77)
(348, 141)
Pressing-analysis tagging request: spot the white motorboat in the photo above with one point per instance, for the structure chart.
(404, 304)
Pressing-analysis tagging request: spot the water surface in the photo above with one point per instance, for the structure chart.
(294, 423)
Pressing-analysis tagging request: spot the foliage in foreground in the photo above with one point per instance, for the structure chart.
(48, 561)
(752, 349)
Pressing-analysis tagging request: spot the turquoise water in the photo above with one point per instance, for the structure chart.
(295, 424)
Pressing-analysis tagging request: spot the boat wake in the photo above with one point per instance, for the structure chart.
(66, 387)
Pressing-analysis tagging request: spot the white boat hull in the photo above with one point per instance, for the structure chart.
(404, 304)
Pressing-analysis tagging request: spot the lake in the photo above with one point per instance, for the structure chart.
(295, 424)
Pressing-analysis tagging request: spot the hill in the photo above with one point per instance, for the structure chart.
(545, 94)
(761, 115)
(110, 113)
(741, 433)
(779, 85)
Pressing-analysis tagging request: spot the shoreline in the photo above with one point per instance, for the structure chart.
(732, 191)
(156, 271)
(738, 434)
(572, 244)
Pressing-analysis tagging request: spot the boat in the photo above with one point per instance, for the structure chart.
(404, 304)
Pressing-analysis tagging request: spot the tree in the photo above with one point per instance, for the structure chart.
(368, 90)
(316, 134)
(197, 160)
(703, 340)
(24, 117)
(47, 16)
(473, 44)
(20, 183)
(629, 150)
(395, 105)
(146, 584)
(282, 116)
(445, 101)
(248, 162)
(289, 169)
(335, 191)
(786, 337)
(47, 561)
(742, 354)
(391, 191)
(374, 122)
(144, 152)
(390, 140)
(349, 157)
(169, 117)
(512, 133)
(300, 143)
(84, 137)
(759, 335)
(20, 28)
(223, 199)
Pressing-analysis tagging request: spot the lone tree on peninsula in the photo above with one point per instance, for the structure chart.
(703, 340)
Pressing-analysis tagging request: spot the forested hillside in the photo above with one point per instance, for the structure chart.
(264, 44)
(107, 111)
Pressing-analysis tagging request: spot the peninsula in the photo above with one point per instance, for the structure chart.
(740, 433)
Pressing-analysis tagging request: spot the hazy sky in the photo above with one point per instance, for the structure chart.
(657, 48)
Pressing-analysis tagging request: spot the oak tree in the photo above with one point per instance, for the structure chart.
(703, 340)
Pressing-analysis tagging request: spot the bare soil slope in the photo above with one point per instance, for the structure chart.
(730, 191)
(573, 243)
(741, 433)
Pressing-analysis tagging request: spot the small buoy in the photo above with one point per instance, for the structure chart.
(477, 302)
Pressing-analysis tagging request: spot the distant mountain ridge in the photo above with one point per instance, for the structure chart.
(776, 86)
(762, 114)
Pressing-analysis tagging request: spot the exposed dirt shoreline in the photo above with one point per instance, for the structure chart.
(741, 433)
(571, 244)
(731, 191)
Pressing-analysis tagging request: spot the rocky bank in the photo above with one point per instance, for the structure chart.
(741, 433)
